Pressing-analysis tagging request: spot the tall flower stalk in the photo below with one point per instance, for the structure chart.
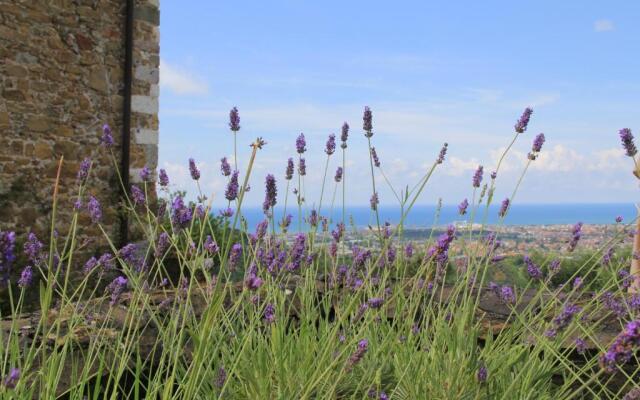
(367, 126)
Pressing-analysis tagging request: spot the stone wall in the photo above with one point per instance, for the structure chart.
(61, 79)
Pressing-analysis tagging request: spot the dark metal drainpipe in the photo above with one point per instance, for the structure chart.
(126, 117)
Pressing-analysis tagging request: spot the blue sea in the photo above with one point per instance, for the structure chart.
(425, 216)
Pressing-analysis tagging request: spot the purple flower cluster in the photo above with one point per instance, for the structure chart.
(477, 176)
(225, 167)
(271, 193)
(302, 167)
(234, 256)
(344, 135)
(210, 245)
(232, 187)
(443, 152)
(116, 288)
(338, 176)
(83, 171)
(301, 144)
(561, 321)
(7, 254)
(33, 248)
(504, 293)
(621, 351)
(374, 201)
(11, 380)
(137, 195)
(288, 174)
(145, 174)
(374, 156)
(627, 142)
(504, 207)
(576, 234)
(462, 208)
(234, 119)
(163, 178)
(330, 147)
(358, 355)
(94, 209)
(162, 244)
(532, 269)
(107, 136)
(523, 122)
(367, 122)
(193, 170)
(482, 374)
(269, 315)
(26, 277)
(181, 215)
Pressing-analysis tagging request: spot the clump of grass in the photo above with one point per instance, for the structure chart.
(202, 308)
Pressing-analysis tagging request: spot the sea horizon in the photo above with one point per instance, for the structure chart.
(425, 216)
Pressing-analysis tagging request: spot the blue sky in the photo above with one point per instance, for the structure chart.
(432, 72)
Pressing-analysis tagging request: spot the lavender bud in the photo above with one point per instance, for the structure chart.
(338, 176)
(95, 210)
(523, 122)
(627, 142)
(462, 208)
(145, 174)
(374, 155)
(163, 178)
(330, 147)
(443, 152)
(504, 207)
(301, 144)
(225, 168)
(107, 136)
(195, 173)
(477, 176)
(271, 192)
(367, 123)
(344, 135)
(302, 167)
(83, 171)
(234, 119)
(232, 187)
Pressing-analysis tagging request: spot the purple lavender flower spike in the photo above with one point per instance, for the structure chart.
(507, 295)
(338, 176)
(477, 176)
(374, 201)
(627, 142)
(269, 315)
(137, 195)
(95, 210)
(302, 167)
(26, 277)
(374, 155)
(83, 171)
(408, 250)
(443, 152)
(11, 380)
(618, 219)
(226, 213)
(523, 122)
(361, 350)
(33, 248)
(621, 351)
(289, 171)
(367, 124)
(162, 244)
(181, 215)
(462, 208)
(116, 288)
(234, 257)
(494, 174)
(225, 167)
(163, 178)
(221, 378)
(344, 135)
(537, 146)
(271, 193)
(482, 374)
(232, 187)
(301, 144)
(193, 170)
(107, 136)
(7, 254)
(145, 174)
(504, 207)
(330, 147)
(234, 119)
(576, 234)
(532, 269)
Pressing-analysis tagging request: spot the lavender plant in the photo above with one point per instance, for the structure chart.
(274, 314)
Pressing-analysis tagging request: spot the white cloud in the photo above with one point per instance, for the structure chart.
(180, 81)
(559, 159)
(457, 166)
(603, 25)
